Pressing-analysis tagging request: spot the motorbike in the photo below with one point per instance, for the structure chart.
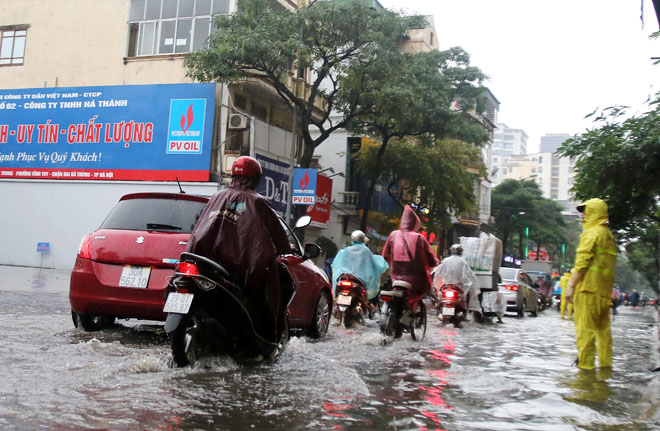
(450, 304)
(351, 298)
(558, 301)
(393, 306)
(545, 302)
(209, 313)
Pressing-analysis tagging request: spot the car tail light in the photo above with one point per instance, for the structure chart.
(188, 268)
(346, 283)
(449, 294)
(84, 251)
(513, 287)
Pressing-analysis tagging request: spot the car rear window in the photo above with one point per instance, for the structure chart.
(162, 215)
(508, 273)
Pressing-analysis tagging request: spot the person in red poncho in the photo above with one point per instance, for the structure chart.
(410, 257)
(239, 228)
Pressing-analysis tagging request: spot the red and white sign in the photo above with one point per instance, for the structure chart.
(320, 210)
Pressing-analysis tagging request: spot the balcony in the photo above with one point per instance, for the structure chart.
(348, 202)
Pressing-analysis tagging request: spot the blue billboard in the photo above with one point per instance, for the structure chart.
(128, 132)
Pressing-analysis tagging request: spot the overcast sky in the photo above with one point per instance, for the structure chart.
(551, 63)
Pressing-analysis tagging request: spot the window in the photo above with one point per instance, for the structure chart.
(12, 45)
(158, 27)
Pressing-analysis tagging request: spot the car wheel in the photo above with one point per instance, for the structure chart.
(418, 327)
(91, 322)
(321, 318)
(535, 311)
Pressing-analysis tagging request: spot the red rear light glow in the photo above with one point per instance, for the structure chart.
(188, 268)
(449, 294)
(345, 292)
(513, 287)
(84, 251)
(385, 298)
(345, 283)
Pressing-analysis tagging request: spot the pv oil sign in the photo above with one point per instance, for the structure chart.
(304, 186)
(186, 127)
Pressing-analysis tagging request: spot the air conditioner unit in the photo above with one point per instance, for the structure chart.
(238, 122)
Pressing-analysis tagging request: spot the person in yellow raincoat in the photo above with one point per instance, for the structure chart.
(565, 308)
(590, 286)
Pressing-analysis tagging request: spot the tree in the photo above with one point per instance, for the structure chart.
(519, 207)
(413, 99)
(332, 39)
(619, 162)
(432, 174)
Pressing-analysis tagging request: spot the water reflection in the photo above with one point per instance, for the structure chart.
(590, 386)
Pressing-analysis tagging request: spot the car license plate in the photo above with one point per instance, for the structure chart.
(178, 302)
(134, 276)
(448, 311)
(344, 299)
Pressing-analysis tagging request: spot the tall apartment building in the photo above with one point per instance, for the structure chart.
(507, 142)
(553, 174)
(550, 142)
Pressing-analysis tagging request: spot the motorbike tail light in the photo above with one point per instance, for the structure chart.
(188, 268)
(513, 287)
(345, 292)
(385, 298)
(84, 251)
(449, 294)
(346, 283)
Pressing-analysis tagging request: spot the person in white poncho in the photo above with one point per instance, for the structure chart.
(455, 270)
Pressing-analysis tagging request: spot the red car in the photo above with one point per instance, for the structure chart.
(122, 268)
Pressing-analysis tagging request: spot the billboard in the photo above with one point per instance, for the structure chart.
(320, 209)
(274, 183)
(126, 132)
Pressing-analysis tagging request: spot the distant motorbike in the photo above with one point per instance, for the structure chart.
(209, 313)
(393, 306)
(558, 301)
(351, 298)
(545, 301)
(450, 304)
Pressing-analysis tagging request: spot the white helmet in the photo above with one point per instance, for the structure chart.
(456, 249)
(357, 236)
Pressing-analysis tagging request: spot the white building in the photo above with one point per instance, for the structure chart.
(507, 142)
(553, 174)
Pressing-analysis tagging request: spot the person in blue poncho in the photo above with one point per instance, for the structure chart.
(358, 260)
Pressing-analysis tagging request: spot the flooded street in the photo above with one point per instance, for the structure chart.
(515, 376)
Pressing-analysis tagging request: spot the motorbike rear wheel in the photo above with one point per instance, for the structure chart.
(418, 327)
(188, 341)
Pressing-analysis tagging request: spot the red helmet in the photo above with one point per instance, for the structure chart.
(246, 166)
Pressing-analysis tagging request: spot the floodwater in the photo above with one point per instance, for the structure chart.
(515, 376)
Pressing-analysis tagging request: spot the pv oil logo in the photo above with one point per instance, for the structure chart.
(186, 128)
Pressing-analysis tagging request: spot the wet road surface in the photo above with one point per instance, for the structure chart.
(515, 376)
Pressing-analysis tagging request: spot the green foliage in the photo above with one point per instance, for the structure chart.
(619, 162)
(627, 277)
(333, 39)
(517, 205)
(434, 175)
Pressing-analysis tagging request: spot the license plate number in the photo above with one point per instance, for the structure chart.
(178, 302)
(134, 276)
(344, 300)
(448, 311)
